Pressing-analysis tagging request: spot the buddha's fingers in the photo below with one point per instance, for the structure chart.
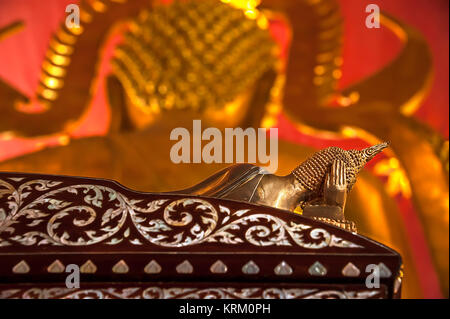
(335, 186)
(329, 180)
(338, 169)
(343, 175)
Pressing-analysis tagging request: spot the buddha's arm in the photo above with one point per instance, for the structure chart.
(335, 187)
(334, 195)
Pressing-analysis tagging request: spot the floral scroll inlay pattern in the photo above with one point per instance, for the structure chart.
(155, 292)
(88, 214)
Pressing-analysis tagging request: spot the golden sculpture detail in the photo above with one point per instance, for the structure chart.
(312, 172)
(191, 54)
(319, 185)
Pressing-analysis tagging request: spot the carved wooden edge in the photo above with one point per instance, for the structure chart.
(70, 212)
(48, 222)
(192, 290)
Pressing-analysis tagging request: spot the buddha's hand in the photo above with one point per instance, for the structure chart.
(335, 187)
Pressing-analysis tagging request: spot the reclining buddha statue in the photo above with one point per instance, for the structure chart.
(319, 186)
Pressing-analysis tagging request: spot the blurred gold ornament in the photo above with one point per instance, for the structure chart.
(398, 183)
